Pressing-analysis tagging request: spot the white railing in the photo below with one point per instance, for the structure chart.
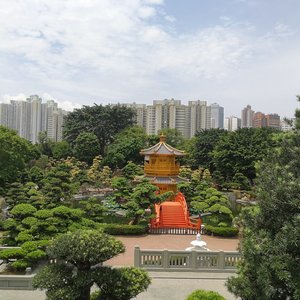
(173, 230)
(162, 260)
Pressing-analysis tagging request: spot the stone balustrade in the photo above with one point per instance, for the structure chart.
(180, 260)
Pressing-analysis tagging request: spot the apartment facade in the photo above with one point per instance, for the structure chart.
(31, 117)
(171, 113)
(216, 116)
(232, 123)
(247, 116)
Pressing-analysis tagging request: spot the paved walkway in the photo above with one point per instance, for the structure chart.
(165, 285)
(171, 242)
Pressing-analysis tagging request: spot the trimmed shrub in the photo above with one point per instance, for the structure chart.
(205, 295)
(36, 255)
(221, 231)
(20, 264)
(44, 214)
(24, 237)
(23, 210)
(12, 254)
(120, 229)
(121, 283)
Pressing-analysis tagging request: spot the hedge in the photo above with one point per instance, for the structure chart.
(121, 229)
(221, 231)
(205, 295)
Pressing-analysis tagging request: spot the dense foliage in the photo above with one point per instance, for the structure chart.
(15, 153)
(85, 251)
(126, 147)
(202, 145)
(204, 295)
(270, 268)
(103, 121)
(238, 151)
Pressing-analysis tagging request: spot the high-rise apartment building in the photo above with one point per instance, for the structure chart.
(170, 113)
(247, 117)
(259, 120)
(36, 115)
(232, 123)
(141, 113)
(167, 113)
(216, 116)
(31, 117)
(199, 116)
(273, 121)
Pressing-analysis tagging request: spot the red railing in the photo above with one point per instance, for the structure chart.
(192, 222)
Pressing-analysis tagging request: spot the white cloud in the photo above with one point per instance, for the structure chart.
(88, 50)
(19, 97)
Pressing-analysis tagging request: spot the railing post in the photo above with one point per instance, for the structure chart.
(137, 256)
(165, 263)
(193, 263)
(221, 260)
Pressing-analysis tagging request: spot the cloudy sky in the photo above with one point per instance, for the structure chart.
(233, 52)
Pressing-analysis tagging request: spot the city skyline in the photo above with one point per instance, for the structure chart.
(68, 106)
(231, 52)
(32, 116)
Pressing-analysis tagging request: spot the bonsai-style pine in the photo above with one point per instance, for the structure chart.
(79, 257)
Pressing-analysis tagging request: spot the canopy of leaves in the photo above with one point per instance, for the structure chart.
(143, 197)
(57, 185)
(104, 121)
(121, 284)
(86, 147)
(209, 200)
(15, 153)
(270, 268)
(85, 251)
(201, 147)
(61, 150)
(85, 248)
(174, 137)
(126, 147)
(238, 151)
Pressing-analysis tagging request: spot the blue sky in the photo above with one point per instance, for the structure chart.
(233, 52)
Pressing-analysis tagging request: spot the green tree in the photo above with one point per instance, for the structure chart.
(209, 200)
(86, 147)
(131, 170)
(270, 267)
(126, 147)
(201, 147)
(98, 176)
(45, 144)
(121, 283)
(85, 251)
(93, 209)
(242, 181)
(143, 197)
(24, 193)
(61, 150)
(57, 185)
(104, 121)
(238, 151)
(15, 153)
(174, 137)
(204, 295)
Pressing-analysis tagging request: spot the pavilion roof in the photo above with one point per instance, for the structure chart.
(162, 148)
